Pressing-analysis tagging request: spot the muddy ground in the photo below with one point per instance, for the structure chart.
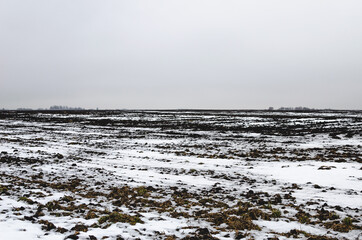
(180, 175)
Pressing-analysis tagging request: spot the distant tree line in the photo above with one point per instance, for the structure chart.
(292, 109)
(55, 107)
(24, 109)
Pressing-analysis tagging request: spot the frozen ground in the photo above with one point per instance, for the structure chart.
(180, 175)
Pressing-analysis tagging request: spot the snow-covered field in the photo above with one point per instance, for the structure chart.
(180, 175)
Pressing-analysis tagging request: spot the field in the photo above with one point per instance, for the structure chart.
(180, 175)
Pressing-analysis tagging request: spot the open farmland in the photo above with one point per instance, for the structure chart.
(180, 175)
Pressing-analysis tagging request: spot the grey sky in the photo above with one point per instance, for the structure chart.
(181, 54)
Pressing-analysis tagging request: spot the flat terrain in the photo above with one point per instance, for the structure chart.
(180, 175)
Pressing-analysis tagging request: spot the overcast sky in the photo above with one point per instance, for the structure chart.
(181, 54)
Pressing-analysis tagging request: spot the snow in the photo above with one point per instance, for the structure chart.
(148, 156)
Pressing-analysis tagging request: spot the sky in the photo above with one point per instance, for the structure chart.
(189, 54)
